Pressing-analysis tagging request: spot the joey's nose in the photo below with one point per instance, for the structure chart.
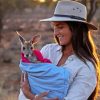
(27, 55)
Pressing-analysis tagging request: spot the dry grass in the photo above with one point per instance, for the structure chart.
(12, 96)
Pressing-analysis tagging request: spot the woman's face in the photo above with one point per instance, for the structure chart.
(62, 32)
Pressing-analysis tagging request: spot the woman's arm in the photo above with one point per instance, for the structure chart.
(83, 85)
(25, 86)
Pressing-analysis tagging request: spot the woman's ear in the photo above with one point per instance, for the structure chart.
(35, 39)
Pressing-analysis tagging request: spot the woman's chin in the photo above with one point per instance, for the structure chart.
(61, 44)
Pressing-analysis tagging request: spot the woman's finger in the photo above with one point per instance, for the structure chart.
(25, 77)
(22, 78)
(53, 99)
(43, 94)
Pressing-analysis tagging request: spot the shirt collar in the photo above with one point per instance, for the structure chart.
(59, 47)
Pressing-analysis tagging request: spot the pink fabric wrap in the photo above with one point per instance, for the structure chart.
(38, 55)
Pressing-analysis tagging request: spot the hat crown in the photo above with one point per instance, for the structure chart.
(67, 10)
(71, 8)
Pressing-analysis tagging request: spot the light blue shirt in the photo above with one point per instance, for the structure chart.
(83, 76)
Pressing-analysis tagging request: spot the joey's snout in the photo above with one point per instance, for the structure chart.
(27, 55)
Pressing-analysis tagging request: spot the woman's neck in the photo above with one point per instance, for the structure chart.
(68, 50)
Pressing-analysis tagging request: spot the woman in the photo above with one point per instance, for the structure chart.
(74, 49)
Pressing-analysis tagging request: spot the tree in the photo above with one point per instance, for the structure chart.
(11, 5)
(1, 16)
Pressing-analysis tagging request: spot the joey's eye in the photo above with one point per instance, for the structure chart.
(31, 48)
(23, 48)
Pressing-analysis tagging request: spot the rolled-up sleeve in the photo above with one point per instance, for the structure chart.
(83, 85)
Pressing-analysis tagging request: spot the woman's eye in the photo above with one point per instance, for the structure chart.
(57, 28)
(60, 27)
(23, 48)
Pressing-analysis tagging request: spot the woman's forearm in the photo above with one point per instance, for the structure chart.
(30, 95)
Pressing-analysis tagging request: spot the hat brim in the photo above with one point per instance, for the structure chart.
(54, 18)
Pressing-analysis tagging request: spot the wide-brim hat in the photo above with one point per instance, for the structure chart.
(70, 11)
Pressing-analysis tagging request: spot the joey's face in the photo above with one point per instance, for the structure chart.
(28, 46)
(27, 49)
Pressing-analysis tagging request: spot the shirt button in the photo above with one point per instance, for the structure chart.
(71, 59)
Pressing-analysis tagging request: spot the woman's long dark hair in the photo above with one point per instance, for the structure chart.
(84, 48)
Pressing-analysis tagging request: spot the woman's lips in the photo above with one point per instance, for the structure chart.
(60, 36)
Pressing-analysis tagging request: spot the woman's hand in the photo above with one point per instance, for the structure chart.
(42, 97)
(27, 91)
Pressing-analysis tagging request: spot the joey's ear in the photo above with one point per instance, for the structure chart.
(21, 38)
(35, 39)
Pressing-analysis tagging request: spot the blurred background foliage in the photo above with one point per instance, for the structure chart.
(24, 16)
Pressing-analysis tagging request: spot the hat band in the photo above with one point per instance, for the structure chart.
(70, 16)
